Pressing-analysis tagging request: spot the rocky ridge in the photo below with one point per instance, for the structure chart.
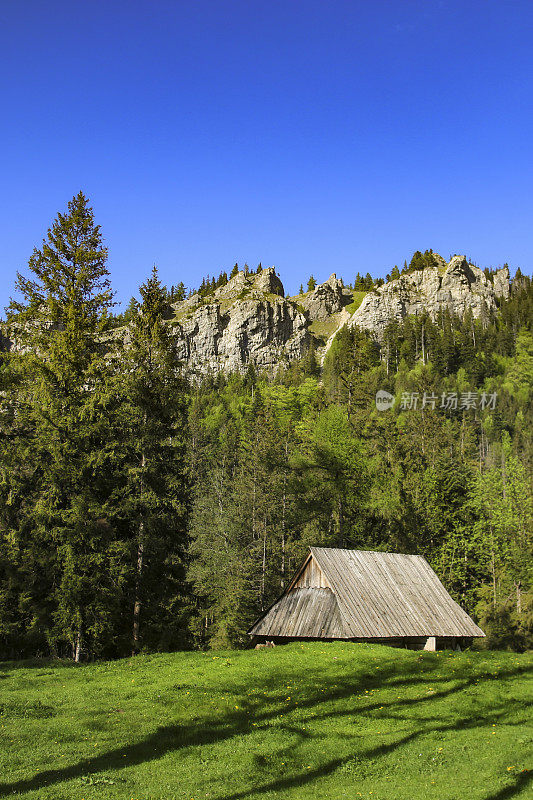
(250, 321)
(457, 286)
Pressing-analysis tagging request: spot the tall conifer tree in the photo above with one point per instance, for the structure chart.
(152, 485)
(57, 396)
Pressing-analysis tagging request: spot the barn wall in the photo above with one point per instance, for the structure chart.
(312, 577)
(403, 642)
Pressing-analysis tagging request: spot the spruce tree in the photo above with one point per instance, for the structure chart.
(58, 401)
(151, 480)
(309, 363)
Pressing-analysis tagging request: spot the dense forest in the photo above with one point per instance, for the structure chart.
(143, 509)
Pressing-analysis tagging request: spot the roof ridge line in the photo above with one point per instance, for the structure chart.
(377, 552)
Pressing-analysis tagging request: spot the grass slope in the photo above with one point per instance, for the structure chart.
(301, 721)
(357, 299)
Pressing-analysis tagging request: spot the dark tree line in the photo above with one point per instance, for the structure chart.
(93, 486)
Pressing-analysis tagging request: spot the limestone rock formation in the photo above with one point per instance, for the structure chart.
(255, 284)
(502, 286)
(457, 286)
(326, 299)
(248, 321)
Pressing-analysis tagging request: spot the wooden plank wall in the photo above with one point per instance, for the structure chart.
(312, 577)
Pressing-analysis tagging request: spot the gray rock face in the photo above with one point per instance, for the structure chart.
(267, 281)
(457, 286)
(247, 321)
(260, 283)
(325, 300)
(502, 287)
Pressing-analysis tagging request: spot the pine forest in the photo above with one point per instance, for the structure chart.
(144, 507)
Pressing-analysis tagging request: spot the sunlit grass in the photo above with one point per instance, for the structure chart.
(301, 721)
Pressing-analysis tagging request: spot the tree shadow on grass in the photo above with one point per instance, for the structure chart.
(7, 667)
(303, 779)
(520, 782)
(263, 710)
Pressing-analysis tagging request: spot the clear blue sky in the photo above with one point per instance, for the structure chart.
(314, 135)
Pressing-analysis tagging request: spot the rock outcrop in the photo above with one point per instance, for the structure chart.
(256, 284)
(248, 321)
(502, 286)
(457, 286)
(326, 299)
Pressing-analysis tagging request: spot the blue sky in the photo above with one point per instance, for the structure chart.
(316, 136)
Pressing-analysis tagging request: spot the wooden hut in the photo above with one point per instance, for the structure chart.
(362, 596)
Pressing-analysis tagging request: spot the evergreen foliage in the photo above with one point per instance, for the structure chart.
(404, 480)
(420, 261)
(364, 284)
(150, 480)
(140, 512)
(91, 459)
(55, 411)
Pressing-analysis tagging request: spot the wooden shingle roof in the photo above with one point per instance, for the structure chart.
(361, 594)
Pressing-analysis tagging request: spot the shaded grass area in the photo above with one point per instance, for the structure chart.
(357, 299)
(307, 720)
(322, 329)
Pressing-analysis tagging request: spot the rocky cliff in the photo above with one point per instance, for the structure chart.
(251, 321)
(457, 286)
(247, 321)
(326, 299)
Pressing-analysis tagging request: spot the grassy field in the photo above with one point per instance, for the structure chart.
(301, 721)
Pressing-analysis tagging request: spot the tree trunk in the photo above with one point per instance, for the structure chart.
(76, 647)
(139, 569)
(254, 494)
(138, 581)
(284, 511)
(340, 523)
(263, 570)
(493, 579)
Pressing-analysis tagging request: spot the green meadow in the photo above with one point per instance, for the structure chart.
(307, 720)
